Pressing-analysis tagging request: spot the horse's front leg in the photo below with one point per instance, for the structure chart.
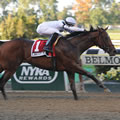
(72, 84)
(81, 71)
(99, 83)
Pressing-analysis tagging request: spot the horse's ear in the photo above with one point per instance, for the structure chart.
(98, 27)
(106, 28)
(91, 28)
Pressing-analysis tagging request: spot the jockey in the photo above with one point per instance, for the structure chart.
(53, 29)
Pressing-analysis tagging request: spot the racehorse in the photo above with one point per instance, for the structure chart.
(68, 50)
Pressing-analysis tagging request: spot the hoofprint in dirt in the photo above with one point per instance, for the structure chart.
(60, 106)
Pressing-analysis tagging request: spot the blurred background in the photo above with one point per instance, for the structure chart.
(19, 18)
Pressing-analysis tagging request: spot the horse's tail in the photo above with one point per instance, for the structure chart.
(1, 42)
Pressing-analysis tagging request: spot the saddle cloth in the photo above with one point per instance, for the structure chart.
(37, 49)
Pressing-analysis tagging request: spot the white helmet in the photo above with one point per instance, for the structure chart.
(70, 21)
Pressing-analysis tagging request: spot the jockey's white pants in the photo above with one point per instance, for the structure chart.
(46, 31)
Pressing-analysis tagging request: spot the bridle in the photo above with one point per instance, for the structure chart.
(104, 46)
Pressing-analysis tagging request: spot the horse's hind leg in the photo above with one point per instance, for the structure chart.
(2, 88)
(72, 84)
(99, 83)
(82, 87)
(3, 81)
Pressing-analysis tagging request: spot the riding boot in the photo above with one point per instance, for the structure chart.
(49, 44)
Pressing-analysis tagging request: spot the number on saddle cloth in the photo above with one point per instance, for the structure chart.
(37, 49)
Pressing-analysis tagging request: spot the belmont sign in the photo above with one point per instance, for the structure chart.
(100, 60)
(29, 74)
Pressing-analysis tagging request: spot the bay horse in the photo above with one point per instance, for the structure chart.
(68, 50)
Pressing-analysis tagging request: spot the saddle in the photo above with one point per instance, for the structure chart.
(37, 51)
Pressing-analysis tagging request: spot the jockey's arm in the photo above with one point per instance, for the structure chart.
(72, 29)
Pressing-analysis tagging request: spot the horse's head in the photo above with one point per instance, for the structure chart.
(105, 42)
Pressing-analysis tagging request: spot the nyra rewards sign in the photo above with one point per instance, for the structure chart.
(29, 74)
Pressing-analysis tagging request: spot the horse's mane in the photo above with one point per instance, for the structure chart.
(81, 32)
(76, 33)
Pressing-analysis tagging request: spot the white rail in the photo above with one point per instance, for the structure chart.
(116, 42)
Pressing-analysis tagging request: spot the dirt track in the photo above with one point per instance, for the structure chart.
(60, 106)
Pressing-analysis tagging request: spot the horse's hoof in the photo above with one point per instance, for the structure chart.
(107, 90)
